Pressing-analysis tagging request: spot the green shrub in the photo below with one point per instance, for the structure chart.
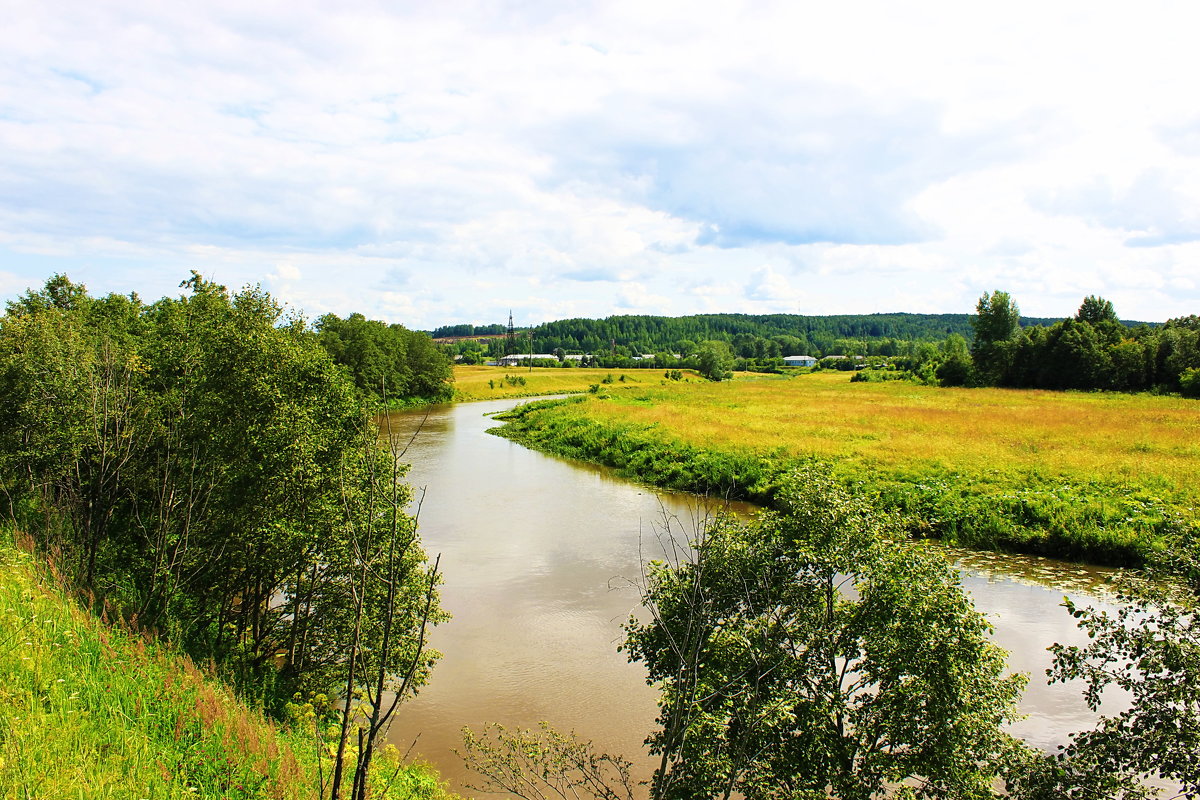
(1189, 382)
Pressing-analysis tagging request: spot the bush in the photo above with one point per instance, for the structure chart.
(1189, 382)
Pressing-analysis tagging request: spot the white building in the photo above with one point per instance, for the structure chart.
(520, 358)
(799, 361)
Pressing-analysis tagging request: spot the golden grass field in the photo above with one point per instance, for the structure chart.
(471, 382)
(898, 425)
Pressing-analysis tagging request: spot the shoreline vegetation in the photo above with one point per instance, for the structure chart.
(1096, 477)
(206, 475)
(92, 708)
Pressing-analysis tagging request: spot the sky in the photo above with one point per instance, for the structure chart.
(439, 163)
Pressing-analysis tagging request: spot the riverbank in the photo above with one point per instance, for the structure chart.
(94, 710)
(1090, 477)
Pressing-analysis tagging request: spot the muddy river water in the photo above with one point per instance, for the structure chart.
(541, 559)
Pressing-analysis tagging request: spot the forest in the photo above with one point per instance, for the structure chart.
(754, 337)
(388, 362)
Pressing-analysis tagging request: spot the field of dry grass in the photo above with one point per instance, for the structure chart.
(473, 383)
(1097, 476)
(899, 425)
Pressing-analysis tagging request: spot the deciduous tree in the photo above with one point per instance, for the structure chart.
(814, 654)
(997, 322)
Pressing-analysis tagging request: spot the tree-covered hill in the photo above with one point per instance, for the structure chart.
(780, 334)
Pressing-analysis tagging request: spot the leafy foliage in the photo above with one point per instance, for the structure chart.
(387, 360)
(543, 763)
(758, 342)
(1092, 350)
(813, 654)
(750, 336)
(201, 463)
(1149, 648)
(715, 361)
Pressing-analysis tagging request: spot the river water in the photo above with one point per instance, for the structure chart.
(541, 559)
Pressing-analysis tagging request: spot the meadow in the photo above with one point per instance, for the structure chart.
(1101, 477)
(472, 383)
(99, 711)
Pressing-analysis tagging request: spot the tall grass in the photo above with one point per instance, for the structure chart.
(1099, 477)
(89, 710)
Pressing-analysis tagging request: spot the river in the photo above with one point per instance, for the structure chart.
(541, 558)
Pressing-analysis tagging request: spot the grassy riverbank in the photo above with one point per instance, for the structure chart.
(1096, 477)
(473, 383)
(91, 710)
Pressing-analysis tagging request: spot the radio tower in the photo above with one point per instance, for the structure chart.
(510, 338)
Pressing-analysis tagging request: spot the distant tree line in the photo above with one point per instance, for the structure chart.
(751, 336)
(1092, 350)
(202, 468)
(454, 331)
(757, 342)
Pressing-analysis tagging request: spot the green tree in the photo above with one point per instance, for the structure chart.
(996, 323)
(386, 359)
(813, 653)
(1095, 310)
(1149, 648)
(956, 368)
(1189, 382)
(193, 462)
(714, 360)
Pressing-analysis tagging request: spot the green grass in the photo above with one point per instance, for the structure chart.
(1099, 477)
(473, 383)
(89, 710)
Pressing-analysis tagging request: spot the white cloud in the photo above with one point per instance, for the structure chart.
(445, 162)
(284, 273)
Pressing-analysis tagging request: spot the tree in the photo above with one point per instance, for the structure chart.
(996, 323)
(813, 653)
(956, 368)
(1095, 310)
(392, 599)
(386, 359)
(1150, 649)
(714, 360)
(190, 462)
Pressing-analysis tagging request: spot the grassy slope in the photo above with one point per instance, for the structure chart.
(471, 382)
(92, 711)
(1092, 476)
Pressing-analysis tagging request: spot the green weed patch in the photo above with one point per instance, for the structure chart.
(89, 710)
